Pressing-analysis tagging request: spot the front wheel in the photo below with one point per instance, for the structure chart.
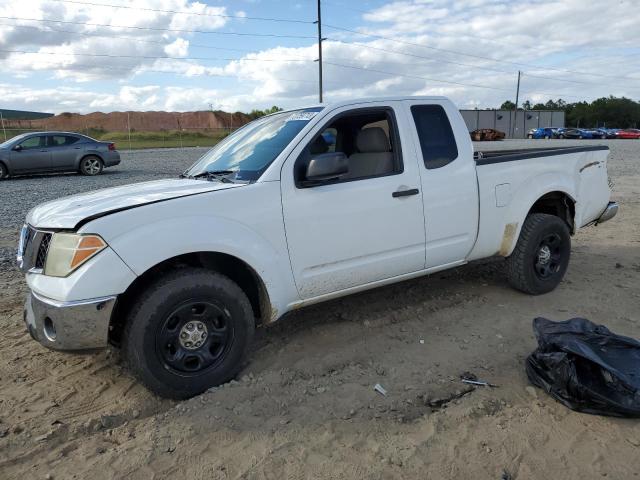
(188, 332)
(541, 257)
(91, 165)
(4, 173)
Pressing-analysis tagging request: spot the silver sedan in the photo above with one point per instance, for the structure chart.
(55, 152)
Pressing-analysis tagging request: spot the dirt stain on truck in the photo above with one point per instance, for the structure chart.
(507, 238)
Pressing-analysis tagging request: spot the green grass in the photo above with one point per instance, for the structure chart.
(167, 139)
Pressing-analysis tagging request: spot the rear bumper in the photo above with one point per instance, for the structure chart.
(73, 325)
(111, 159)
(609, 212)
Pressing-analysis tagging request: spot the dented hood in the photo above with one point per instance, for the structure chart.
(68, 212)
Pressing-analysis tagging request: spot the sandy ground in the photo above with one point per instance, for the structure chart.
(304, 406)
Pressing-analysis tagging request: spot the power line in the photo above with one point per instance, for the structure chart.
(158, 57)
(157, 29)
(120, 37)
(455, 52)
(202, 14)
(144, 70)
(480, 67)
(395, 74)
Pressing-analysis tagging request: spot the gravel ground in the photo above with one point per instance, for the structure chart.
(304, 407)
(23, 193)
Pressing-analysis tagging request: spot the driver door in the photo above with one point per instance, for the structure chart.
(368, 225)
(32, 156)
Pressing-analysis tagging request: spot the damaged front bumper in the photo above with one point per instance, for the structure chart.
(74, 325)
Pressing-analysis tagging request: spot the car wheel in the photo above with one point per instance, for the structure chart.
(188, 332)
(91, 165)
(560, 136)
(546, 137)
(541, 257)
(4, 173)
(530, 137)
(580, 137)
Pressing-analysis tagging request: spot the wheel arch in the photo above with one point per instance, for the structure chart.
(6, 166)
(547, 194)
(232, 267)
(559, 204)
(88, 154)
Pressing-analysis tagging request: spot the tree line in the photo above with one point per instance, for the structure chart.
(261, 113)
(610, 112)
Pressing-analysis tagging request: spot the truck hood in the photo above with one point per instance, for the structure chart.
(69, 212)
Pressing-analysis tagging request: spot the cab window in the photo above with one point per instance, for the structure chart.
(367, 137)
(437, 142)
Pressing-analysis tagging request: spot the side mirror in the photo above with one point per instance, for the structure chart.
(326, 167)
(17, 148)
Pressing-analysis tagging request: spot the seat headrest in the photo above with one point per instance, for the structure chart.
(372, 140)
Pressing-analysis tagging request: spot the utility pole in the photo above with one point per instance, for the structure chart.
(515, 117)
(319, 22)
(3, 130)
(129, 129)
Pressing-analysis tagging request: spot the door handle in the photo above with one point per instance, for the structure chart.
(405, 193)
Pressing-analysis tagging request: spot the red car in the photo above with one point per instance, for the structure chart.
(628, 133)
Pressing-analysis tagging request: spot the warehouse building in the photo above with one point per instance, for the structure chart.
(515, 125)
(22, 115)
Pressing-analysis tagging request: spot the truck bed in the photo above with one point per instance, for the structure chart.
(498, 156)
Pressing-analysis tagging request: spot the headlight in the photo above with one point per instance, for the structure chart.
(68, 251)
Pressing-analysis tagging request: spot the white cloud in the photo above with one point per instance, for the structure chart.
(179, 48)
(70, 48)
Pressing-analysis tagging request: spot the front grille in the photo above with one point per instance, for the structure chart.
(43, 249)
(33, 249)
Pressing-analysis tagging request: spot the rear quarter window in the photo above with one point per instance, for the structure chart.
(437, 142)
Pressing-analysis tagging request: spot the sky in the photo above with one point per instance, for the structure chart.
(182, 55)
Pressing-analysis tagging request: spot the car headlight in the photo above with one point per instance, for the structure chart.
(67, 251)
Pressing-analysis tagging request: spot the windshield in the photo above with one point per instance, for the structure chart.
(247, 153)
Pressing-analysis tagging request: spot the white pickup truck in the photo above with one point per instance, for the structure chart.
(293, 209)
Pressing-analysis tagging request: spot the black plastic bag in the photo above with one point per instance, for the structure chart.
(586, 367)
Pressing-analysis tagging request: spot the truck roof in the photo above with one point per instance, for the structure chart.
(351, 101)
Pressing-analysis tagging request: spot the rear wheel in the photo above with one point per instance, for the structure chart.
(530, 137)
(4, 173)
(91, 165)
(541, 257)
(188, 332)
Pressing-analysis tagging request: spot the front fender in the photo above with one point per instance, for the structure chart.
(249, 228)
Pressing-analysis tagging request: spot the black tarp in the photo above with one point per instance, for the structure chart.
(586, 367)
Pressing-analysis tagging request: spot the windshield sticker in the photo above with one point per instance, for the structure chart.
(305, 116)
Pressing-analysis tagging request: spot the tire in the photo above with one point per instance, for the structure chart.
(541, 257)
(182, 308)
(580, 137)
(4, 173)
(91, 165)
(546, 137)
(560, 136)
(530, 137)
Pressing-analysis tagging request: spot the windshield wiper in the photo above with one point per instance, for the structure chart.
(220, 175)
